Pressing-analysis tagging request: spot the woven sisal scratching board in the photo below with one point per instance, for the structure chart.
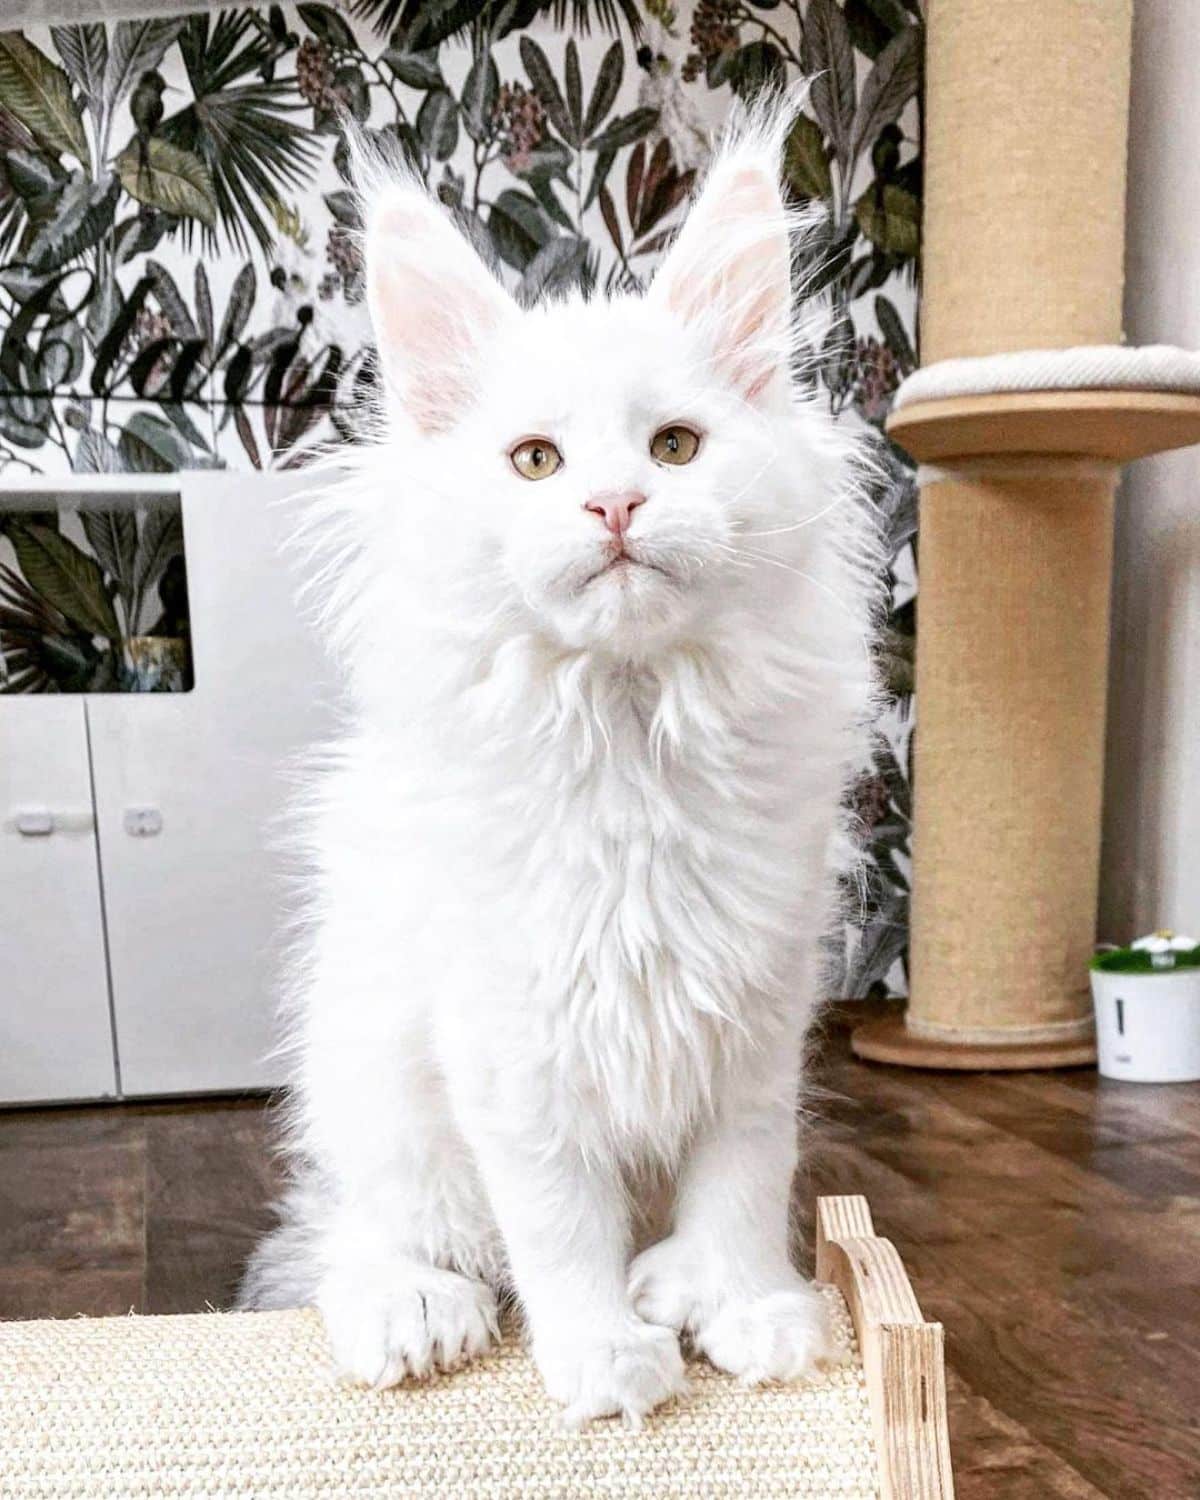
(225, 1405)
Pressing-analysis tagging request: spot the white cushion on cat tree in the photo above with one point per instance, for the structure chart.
(1152, 367)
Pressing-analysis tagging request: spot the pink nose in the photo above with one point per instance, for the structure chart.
(616, 507)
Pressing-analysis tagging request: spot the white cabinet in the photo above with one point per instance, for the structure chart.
(55, 1029)
(190, 793)
(195, 911)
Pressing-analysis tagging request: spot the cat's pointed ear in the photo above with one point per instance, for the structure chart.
(433, 303)
(729, 270)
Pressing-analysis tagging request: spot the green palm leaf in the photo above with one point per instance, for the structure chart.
(609, 13)
(385, 14)
(446, 18)
(252, 149)
(37, 92)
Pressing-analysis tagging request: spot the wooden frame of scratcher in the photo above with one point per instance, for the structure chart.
(902, 1354)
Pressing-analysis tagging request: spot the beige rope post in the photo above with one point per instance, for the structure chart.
(1026, 112)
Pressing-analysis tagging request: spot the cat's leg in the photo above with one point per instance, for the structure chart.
(391, 1312)
(724, 1276)
(565, 1223)
(405, 1243)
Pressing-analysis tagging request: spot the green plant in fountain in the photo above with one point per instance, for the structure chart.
(1160, 953)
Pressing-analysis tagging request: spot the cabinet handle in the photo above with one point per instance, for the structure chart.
(143, 822)
(40, 822)
(34, 822)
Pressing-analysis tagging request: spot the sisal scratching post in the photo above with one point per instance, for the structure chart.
(1026, 111)
(1010, 758)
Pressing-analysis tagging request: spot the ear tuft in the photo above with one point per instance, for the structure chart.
(434, 304)
(729, 271)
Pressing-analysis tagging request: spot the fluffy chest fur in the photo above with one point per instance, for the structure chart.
(635, 848)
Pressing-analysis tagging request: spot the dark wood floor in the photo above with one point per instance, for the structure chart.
(1050, 1221)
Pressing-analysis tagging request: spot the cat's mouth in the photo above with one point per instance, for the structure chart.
(622, 561)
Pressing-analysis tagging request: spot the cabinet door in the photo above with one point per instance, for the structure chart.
(190, 794)
(55, 1027)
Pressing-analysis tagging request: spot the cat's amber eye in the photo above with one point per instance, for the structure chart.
(675, 444)
(536, 458)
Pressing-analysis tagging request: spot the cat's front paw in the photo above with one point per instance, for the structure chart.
(410, 1321)
(784, 1335)
(780, 1334)
(666, 1284)
(623, 1373)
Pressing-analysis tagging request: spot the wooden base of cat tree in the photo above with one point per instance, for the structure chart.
(890, 1041)
(243, 1404)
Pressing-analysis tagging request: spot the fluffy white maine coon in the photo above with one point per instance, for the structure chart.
(603, 608)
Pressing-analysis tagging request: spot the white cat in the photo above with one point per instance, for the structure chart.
(602, 599)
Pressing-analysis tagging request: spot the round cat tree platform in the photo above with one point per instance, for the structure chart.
(1024, 410)
(226, 1404)
(1114, 426)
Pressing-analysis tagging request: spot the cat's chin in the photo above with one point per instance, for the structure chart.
(627, 606)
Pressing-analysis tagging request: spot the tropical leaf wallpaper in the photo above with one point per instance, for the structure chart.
(180, 284)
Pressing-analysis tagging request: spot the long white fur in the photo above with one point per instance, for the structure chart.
(569, 867)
